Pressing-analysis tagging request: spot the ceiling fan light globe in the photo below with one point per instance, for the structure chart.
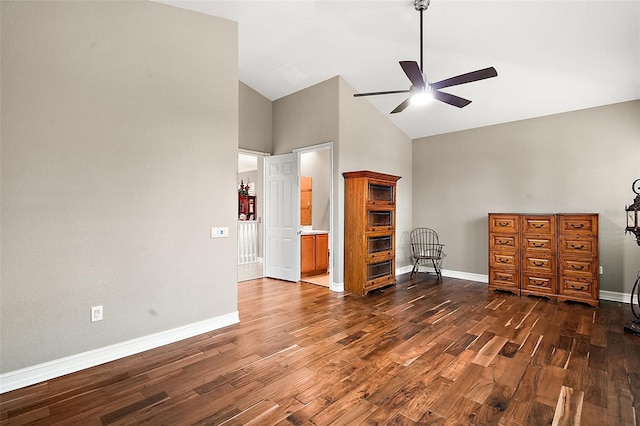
(421, 98)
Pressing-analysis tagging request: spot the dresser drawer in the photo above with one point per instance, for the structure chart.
(503, 259)
(503, 242)
(574, 265)
(583, 285)
(503, 223)
(539, 224)
(539, 243)
(504, 278)
(578, 224)
(580, 245)
(539, 262)
(539, 283)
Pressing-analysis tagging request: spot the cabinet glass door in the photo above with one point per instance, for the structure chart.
(379, 244)
(379, 218)
(381, 193)
(379, 269)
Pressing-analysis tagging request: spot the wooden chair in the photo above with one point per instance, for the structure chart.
(425, 248)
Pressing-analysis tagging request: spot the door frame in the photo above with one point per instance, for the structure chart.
(332, 239)
(261, 198)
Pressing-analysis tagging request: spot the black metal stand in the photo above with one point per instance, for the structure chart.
(633, 326)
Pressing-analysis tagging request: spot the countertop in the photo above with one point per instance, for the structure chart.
(313, 232)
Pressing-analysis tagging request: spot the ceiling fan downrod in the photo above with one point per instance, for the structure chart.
(421, 6)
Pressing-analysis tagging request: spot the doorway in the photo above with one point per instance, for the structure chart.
(250, 210)
(316, 213)
(282, 251)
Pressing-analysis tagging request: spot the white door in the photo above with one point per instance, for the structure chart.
(282, 217)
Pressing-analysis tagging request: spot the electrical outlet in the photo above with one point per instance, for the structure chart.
(96, 313)
(601, 270)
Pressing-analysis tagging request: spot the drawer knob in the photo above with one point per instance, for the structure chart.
(577, 247)
(503, 242)
(503, 260)
(537, 225)
(537, 244)
(577, 288)
(577, 225)
(577, 267)
(539, 263)
(537, 282)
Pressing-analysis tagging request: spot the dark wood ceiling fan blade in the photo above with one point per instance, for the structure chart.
(402, 106)
(389, 92)
(466, 78)
(450, 99)
(412, 70)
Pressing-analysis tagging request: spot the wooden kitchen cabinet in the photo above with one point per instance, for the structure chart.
(369, 237)
(314, 254)
(306, 201)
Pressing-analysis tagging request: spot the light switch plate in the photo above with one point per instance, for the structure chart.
(220, 232)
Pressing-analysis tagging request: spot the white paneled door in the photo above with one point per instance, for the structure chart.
(282, 218)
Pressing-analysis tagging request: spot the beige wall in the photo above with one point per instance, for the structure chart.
(119, 152)
(370, 141)
(317, 165)
(581, 161)
(362, 139)
(308, 117)
(255, 132)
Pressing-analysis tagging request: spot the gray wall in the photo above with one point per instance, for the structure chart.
(362, 139)
(370, 141)
(119, 152)
(255, 118)
(307, 117)
(581, 161)
(317, 165)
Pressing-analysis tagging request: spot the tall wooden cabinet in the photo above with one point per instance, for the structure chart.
(369, 234)
(550, 255)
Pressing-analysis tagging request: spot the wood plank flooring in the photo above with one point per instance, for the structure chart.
(422, 352)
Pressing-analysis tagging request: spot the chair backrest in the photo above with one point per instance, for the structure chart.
(424, 236)
(424, 241)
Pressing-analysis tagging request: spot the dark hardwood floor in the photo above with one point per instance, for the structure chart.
(422, 352)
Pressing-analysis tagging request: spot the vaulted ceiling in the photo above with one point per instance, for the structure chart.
(551, 56)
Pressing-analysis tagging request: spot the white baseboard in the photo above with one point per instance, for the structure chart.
(337, 287)
(59, 367)
(614, 296)
(611, 296)
(447, 273)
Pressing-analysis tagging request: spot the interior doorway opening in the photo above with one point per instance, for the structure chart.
(316, 213)
(250, 210)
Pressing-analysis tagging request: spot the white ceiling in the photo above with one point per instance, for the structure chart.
(551, 56)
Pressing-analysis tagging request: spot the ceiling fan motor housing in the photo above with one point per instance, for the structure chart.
(421, 4)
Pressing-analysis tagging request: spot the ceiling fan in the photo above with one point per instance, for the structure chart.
(421, 90)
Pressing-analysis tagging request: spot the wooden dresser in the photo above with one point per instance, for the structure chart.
(578, 249)
(550, 255)
(369, 234)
